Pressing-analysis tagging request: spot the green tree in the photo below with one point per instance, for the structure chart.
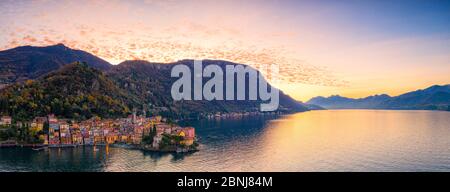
(148, 139)
(153, 131)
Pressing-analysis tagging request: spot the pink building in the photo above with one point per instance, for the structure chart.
(189, 132)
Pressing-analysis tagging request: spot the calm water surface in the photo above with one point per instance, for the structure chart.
(332, 140)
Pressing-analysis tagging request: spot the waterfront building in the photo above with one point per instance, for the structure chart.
(65, 136)
(38, 124)
(125, 138)
(163, 128)
(156, 140)
(53, 139)
(99, 140)
(53, 123)
(77, 138)
(88, 139)
(6, 120)
(188, 134)
(112, 138)
(137, 135)
(64, 127)
(103, 131)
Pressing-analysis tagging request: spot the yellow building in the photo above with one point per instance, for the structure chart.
(186, 139)
(111, 139)
(187, 142)
(36, 127)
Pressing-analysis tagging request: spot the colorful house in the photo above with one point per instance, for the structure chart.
(53, 123)
(188, 134)
(38, 123)
(6, 120)
(156, 140)
(65, 136)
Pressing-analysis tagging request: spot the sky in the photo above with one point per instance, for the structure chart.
(353, 48)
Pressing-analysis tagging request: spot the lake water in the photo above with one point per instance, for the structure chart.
(331, 140)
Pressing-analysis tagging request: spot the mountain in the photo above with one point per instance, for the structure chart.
(152, 83)
(44, 82)
(436, 97)
(28, 62)
(339, 102)
(74, 91)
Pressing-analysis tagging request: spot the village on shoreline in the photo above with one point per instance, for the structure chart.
(147, 133)
(154, 133)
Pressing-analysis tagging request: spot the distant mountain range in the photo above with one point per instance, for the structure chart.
(436, 97)
(76, 84)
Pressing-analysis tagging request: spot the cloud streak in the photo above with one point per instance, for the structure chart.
(329, 48)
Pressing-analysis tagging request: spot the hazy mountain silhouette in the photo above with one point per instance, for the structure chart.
(436, 97)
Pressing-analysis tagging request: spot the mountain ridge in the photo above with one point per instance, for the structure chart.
(146, 84)
(132, 73)
(435, 97)
(30, 62)
(83, 95)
